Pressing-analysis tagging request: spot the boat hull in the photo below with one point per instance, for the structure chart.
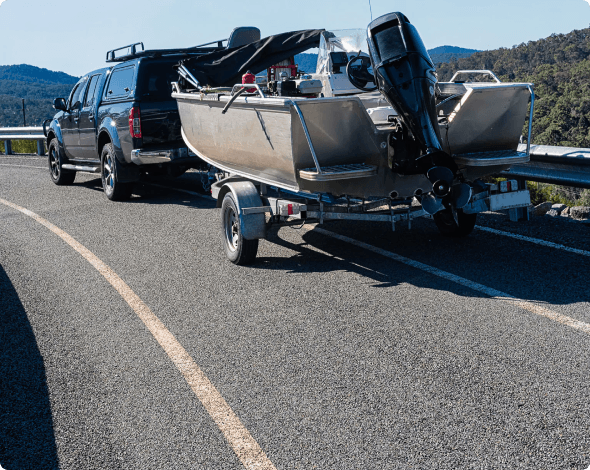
(264, 139)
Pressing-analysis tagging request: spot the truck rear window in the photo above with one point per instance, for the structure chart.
(121, 82)
(156, 79)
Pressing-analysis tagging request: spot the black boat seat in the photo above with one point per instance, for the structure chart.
(243, 35)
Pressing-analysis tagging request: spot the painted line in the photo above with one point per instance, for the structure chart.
(23, 155)
(25, 166)
(536, 241)
(241, 441)
(535, 308)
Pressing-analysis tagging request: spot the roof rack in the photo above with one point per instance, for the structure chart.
(134, 51)
(238, 37)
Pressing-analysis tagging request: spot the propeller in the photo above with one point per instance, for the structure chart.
(460, 195)
(431, 204)
(441, 178)
(444, 191)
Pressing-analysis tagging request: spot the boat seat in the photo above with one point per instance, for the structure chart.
(242, 36)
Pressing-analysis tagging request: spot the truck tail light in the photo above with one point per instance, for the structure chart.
(135, 123)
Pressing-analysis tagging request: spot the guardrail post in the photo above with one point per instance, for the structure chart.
(40, 147)
(521, 213)
(8, 147)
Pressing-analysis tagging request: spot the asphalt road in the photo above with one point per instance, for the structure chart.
(331, 355)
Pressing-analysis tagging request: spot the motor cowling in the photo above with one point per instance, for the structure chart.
(405, 75)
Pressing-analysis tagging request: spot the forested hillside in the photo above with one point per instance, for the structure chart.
(559, 67)
(448, 53)
(37, 86)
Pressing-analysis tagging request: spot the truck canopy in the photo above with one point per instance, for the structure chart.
(226, 67)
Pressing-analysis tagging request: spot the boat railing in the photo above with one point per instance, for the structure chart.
(473, 72)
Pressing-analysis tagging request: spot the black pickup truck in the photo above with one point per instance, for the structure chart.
(121, 121)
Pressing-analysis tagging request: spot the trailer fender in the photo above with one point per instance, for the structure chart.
(253, 226)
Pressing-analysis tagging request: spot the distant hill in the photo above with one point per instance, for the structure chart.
(307, 62)
(37, 86)
(449, 53)
(31, 74)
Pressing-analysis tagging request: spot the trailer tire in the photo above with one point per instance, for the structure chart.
(59, 176)
(238, 250)
(447, 225)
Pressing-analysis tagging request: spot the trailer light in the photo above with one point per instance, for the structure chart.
(289, 209)
(135, 123)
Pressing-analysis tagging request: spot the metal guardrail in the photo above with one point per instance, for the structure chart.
(566, 166)
(8, 134)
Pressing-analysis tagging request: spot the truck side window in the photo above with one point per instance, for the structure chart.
(76, 96)
(91, 95)
(121, 82)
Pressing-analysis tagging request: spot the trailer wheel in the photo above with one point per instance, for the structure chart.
(447, 225)
(239, 250)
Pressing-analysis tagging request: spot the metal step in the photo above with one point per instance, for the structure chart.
(85, 169)
(500, 157)
(338, 172)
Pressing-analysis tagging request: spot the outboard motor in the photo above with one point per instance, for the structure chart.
(406, 76)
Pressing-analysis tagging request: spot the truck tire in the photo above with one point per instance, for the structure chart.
(58, 175)
(447, 225)
(114, 189)
(238, 250)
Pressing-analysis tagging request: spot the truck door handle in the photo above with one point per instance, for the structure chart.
(91, 118)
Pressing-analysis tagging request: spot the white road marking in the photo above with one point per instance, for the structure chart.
(241, 441)
(23, 155)
(24, 166)
(535, 308)
(536, 241)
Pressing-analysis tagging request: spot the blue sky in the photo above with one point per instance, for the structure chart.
(73, 35)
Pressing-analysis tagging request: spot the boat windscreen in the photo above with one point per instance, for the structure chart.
(349, 41)
(225, 68)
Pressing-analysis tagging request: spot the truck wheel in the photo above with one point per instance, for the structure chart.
(114, 190)
(58, 175)
(239, 250)
(447, 225)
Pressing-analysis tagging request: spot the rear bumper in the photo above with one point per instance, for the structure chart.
(151, 157)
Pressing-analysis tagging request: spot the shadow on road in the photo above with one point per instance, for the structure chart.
(520, 269)
(160, 190)
(26, 425)
(515, 267)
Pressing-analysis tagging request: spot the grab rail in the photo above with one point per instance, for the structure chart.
(244, 86)
(528, 144)
(481, 72)
(307, 136)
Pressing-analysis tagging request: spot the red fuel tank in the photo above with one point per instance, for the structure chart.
(249, 77)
